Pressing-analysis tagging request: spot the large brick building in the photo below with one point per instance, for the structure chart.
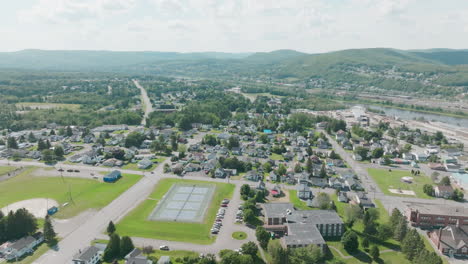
(435, 216)
(302, 228)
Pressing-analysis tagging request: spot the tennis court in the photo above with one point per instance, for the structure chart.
(184, 203)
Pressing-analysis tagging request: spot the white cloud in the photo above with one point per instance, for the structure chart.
(242, 25)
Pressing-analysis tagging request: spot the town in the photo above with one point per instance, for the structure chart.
(218, 176)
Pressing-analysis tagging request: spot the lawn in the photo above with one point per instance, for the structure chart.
(298, 203)
(136, 223)
(6, 169)
(275, 156)
(39, 251)
(173, 254)
(239, 235)
(86, 193)
(392, 180)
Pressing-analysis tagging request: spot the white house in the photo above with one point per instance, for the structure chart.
(22, 246)
(90, 255)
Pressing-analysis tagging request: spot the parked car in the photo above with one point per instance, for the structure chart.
(164, 247)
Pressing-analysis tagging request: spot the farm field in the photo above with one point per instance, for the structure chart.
(137, 224)
(392, 180)
(85, 193)
(48, 105)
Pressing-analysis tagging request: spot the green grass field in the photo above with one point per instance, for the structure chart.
(392, 180)
(6, 169)
(275, 156)
(298, 203)
(239, 235)
(136, 223)
(86, 193)
(48, 105)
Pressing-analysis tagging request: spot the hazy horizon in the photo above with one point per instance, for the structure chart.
(236, 26)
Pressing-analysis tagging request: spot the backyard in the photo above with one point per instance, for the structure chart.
(85, 193)
(137, 224)
(387, 179)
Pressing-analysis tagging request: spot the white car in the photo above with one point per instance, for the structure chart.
(164, 247)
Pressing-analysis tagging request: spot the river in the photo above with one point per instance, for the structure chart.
(412, 115)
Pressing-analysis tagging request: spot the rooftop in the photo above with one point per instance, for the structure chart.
(87, 254)
(425, 208)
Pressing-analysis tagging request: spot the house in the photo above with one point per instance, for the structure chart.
(352, 184)
(450, 167)
(451, 240)
(437, 166)
(260, 186)
(340, 135)
(219, 173)
(253, 176)
(362, 200)
(319, 182)
(90, 255)
(453, 152)
(145, 164)
(191, 167)
(304, 192)
(274, 177)
(276, 191)
(113, 176)
(136, 257)
(322, 144)
(22, 246)
(335, 183)
(443, 191)
(420, 156)
(343, 197)
(112, 163)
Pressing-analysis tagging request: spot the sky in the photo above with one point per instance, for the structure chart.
(311, 26)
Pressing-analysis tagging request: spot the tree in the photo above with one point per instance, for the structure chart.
(400, 230)
(350, 241)
(278, 254)
(245, 190)
(428, 189)
(11, 143)
(374, 252)
(31, 137)
(58, 151)
(309, 254)
(323, 171)
(233, 142)
(384, 231)
(298, 168)
(267, 167)
(352, 214)
(249, 248)
(323, 200)
(249, 216)
(309, 165)
(210, 140)
(281, 169)
(365, 242)
(395, 218)
(412, 244)
(48, 156)
(50, 236)
(134, 139)
(263, 236)
(377, 153)
(445, 181)
(333, 155)
(369, 223)
(458, 195)
(110, 228)
(112, 250)
(126, 246)
(426, 257)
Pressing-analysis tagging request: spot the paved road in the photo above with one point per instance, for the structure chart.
(145, 101)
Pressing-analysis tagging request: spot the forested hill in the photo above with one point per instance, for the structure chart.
(441, 72)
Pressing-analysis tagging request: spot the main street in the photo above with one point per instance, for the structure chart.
(145, 102)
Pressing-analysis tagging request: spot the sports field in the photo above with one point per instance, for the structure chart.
(138, 224)
(79, 193)
(386, 180)
(184, 203)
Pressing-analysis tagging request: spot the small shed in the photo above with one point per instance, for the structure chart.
(113, 176)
